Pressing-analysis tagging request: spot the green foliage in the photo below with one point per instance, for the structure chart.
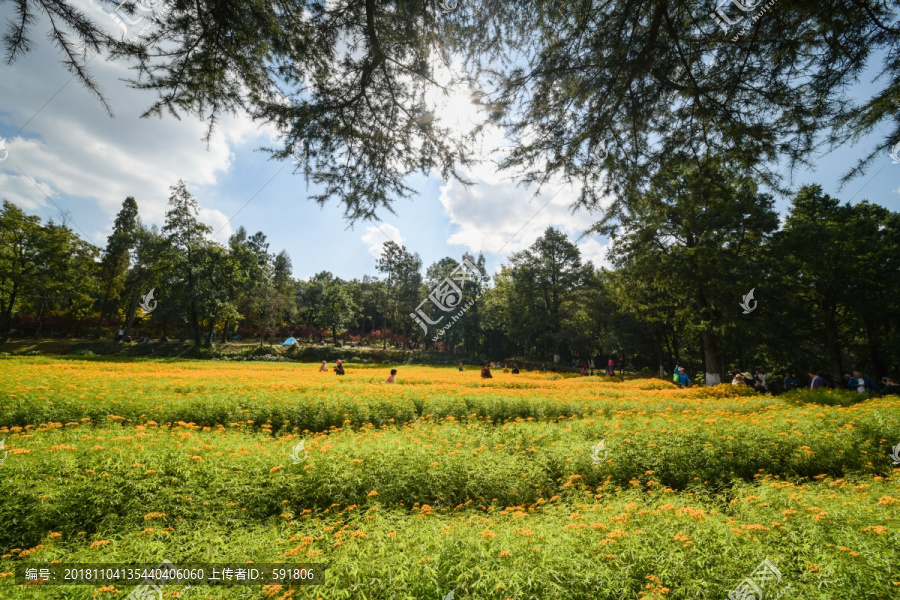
(260, 351)
(826, 397)
(544, 293)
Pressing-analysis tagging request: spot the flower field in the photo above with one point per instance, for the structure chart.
(444, 482)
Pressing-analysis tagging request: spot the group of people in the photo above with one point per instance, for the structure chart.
(486, 369)
(857, 381)
(142, 340)
(339, 370)
(338, 367)
(757, 381)
(587, 368)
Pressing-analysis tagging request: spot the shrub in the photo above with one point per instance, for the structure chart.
(825, 397)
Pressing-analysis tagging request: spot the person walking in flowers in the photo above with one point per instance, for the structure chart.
(683, 379)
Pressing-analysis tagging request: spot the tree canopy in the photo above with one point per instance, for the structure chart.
(593, 91)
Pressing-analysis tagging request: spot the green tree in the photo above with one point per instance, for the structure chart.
(19, 259)
(839, 263)
(404, 278)
(115, 261)
(688, 242)
(337, 309)
(467, 332)
(546, 279)
(186, 238)
(64, 281)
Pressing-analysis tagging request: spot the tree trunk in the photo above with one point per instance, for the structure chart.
(104, 312)
(40, 321)
(832, 346)
(132, 309)
(879, 364)
(6, 317)
(674, 351)
(659, 355)
(195, 324)
(712, 364)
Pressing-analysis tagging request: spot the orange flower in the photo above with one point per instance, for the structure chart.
(99, 543)
(525, 532)
(879, 529)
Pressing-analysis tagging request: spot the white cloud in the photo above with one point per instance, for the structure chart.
(221, 227)
(377, 235)
(502, 217)
(595, 252)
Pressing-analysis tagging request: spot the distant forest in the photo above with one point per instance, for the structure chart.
(825, 283)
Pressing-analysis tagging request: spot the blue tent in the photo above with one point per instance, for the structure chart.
(289, 342)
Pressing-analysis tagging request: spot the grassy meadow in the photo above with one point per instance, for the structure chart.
(444, 481)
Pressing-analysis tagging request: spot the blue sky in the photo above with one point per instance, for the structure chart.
(62, 144)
